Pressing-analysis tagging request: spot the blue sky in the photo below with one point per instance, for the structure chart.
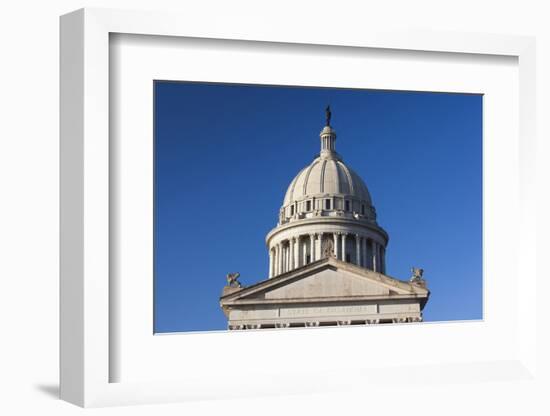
(225, 154)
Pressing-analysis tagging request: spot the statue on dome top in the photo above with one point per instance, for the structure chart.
(328, 114)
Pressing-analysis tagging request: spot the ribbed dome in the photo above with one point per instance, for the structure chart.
(326, 176)
(327, 188)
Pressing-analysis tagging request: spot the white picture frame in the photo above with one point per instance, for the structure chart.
(87, 309)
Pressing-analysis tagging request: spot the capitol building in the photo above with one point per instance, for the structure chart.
(327, 257)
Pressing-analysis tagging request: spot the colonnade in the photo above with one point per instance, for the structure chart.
(298, 251)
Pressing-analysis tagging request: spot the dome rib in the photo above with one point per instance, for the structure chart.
(348, 175)
(322, 181)
(338, 178)
(289, 197)
(306, 179)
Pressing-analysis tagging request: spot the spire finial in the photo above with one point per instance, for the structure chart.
(328, 114)
(328, 138)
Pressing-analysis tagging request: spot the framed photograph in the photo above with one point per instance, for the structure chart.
(308, 213)
(320, 257)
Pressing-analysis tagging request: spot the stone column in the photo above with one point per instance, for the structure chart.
(383, 259)
(281, 258)
(276, 265)
(283, 246)
(374, 256)
(357, 250)
(287, 262)
(294, 256)
(312, 248)
(291, 253)
(293, 261)
(344, 236)
(335, 236)
(274, 260)
(365, 255)
(344, 247)
(288, 257)
(270, 263)
(319, 254)
(296, 252)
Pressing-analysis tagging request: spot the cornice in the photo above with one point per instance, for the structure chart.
(325, 221)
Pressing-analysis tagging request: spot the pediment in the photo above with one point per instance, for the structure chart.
(326, 279)
(328, 282)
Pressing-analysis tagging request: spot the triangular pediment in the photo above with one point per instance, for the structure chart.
(326, 279)
(327, 282)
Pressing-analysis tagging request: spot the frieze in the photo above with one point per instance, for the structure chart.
(328, 310)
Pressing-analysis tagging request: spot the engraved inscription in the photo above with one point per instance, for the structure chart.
(328, 310)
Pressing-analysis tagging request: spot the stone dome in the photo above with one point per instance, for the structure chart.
(327, 211)
(327, 184)
(326, 176)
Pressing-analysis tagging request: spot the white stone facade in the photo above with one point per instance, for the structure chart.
(326, 292)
